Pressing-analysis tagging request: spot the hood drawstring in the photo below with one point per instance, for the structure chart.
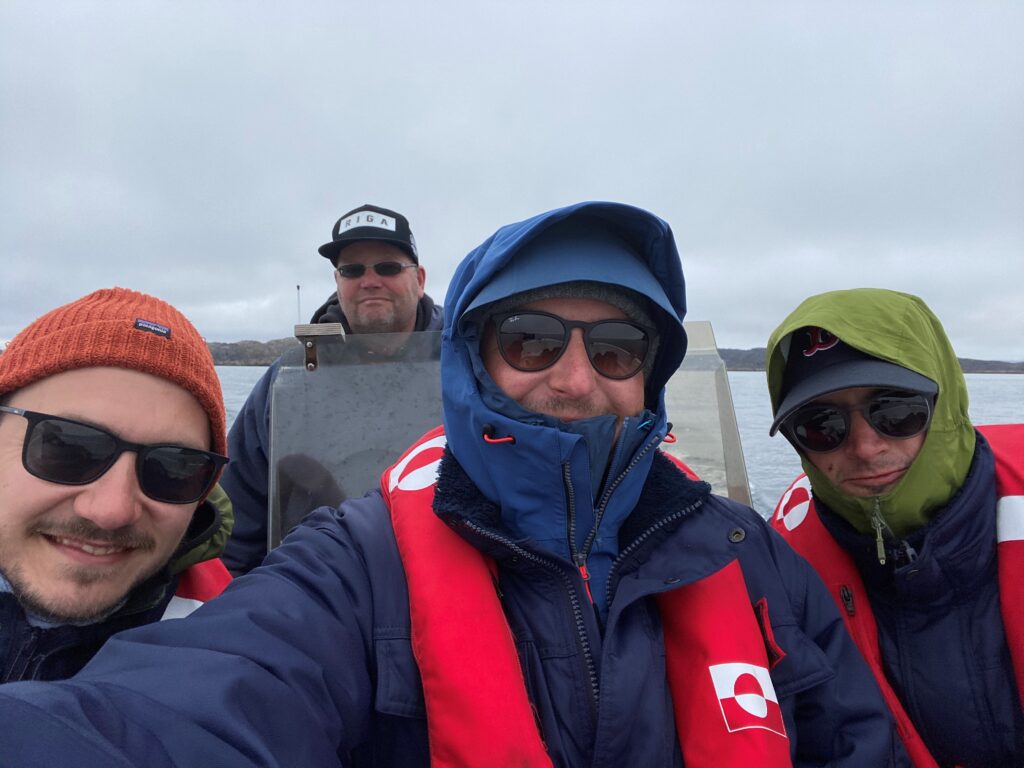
(488, 436)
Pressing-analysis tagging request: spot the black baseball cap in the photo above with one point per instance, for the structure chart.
(370, 222)
(819, 363)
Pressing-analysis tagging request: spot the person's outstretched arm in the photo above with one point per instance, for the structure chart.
(275, 672)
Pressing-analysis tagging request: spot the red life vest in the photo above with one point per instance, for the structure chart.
(796, 519)
(197, 584)
(478, 710)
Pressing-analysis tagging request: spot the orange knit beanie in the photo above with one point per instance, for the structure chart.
(123, 329)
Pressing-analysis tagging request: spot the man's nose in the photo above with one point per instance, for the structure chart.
(114, 500)
(369, 278)
(864, 441)
(573, 374)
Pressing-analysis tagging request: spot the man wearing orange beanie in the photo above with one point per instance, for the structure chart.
(112, 435)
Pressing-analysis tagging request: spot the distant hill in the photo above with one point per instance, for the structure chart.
(249, 352)
(753, 360)
(266, 352)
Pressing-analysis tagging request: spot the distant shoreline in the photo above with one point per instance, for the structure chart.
(266, 352)
(753, 360)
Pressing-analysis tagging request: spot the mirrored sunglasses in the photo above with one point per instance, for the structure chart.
(821, 428)
(69, 452)
(382, 268)
(533, 341)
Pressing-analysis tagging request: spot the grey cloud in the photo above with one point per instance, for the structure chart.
(202, 151)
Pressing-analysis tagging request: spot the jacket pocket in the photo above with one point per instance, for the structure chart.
(399, 689)
(804, 666)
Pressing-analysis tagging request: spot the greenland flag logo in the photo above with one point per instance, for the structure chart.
(747, 697)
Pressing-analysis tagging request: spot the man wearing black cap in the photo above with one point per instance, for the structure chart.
(378, 274)
(379, 290)
(914, 519)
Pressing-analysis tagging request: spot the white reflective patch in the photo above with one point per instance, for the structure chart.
(366, 219)
(1010, 518)
(180, 607)
(794, 504)
(421, 477)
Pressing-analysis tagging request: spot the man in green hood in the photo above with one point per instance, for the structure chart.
(899, 511)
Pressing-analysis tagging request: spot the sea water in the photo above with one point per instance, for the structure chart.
(771, 462)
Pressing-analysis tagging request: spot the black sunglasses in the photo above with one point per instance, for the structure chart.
(68, 452)
(533, 341)
(821, 428)
(382, 268)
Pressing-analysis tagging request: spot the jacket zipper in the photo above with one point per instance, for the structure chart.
(579, 559)
(639, 540)
(881, 529)
(580, 556)
(16, 669)
(574, 601)
(879, 525)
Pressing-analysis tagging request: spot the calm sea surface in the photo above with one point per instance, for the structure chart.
(771, 463)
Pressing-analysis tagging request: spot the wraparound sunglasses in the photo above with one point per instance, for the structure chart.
(69, 452)
(821, 428)
(532, 341)
(382, 268)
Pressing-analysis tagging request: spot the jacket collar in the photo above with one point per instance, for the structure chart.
(958, 545)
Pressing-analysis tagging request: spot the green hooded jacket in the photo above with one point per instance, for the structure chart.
(898, 328)
(208, 533)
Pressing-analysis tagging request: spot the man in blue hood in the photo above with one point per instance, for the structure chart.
(534, 584)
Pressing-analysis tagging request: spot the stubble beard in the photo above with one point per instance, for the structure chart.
(70, 609)
(380, 317)
(566, 409)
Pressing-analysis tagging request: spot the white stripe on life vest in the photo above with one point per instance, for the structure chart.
(1010, 518)
(180, 607)
(422, 477)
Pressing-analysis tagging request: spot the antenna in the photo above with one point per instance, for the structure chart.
(298, 303)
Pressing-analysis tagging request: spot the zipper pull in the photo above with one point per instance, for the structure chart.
(846, 594)
(586, 580)
(878, 524)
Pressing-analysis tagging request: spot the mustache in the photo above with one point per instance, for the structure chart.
(80, 528)
(554, 406)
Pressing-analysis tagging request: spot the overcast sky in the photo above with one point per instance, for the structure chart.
(202, 151)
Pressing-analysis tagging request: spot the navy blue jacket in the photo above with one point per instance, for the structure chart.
(247, 477)
(940, 629)
(31, 652)
(307, 660)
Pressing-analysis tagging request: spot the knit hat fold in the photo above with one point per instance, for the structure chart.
(120, 328)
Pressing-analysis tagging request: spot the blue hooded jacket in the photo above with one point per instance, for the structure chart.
(631, 248)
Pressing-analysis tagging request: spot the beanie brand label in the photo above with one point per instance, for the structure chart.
(366, 219)
(148, 325)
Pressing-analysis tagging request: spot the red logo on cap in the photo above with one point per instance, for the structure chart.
(747, 697)
(818, 341)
